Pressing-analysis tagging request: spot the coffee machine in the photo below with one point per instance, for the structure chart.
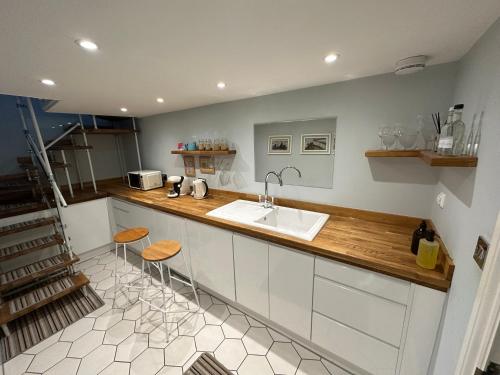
(176, 182)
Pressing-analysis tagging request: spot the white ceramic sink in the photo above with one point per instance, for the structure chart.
(290, 221)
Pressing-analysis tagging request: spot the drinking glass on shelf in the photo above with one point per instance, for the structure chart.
(201, 144)
(208, 144)
(388, 136)
(223, 144)
(216, 145)
(407, 137)
(428, 131)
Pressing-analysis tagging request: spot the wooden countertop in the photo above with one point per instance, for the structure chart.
(371, 240)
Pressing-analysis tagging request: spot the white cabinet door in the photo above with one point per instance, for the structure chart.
(212, 257)
(251, 271)
(87, 225)
(290, 289)
(170, 227)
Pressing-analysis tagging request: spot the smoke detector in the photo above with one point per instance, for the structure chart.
(410, 65)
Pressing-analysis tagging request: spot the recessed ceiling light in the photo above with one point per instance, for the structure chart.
(331, 58)
(123, 109)
(87, 44)
(221, 85)
(47, 82)
(160, 100)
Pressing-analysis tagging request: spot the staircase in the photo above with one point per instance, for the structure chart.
(36, 267)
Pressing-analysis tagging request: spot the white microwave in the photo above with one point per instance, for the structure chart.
(145, 180)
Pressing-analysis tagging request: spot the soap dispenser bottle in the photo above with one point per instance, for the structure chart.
(418, 234)
(428, 250)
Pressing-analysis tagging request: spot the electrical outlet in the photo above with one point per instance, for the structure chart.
(440, 199)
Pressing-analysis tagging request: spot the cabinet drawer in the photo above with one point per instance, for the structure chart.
(365, 312)
(371, 282)
(363, 351)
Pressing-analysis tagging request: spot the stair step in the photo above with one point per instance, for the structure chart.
(14, 209)
(27, 247)
(34, 299)
(26, 225)
(26, 163)
(70, 147)
(14, 177)
(26, 274)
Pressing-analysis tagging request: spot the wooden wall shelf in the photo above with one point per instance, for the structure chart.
(215, 153)
(105, 131)
(431, 158)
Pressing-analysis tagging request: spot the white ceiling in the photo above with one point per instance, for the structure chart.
(180, 49)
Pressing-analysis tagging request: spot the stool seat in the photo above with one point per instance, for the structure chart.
(131, 235)
(161, 250)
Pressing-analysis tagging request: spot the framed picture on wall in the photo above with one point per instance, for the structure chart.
(316, 144)
(189, 166)
(279, 144)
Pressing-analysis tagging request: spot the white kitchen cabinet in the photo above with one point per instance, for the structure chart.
(365, 352)
(211, 251)
(87, 225)
(251, 270)
(291, 289)
(171, 227)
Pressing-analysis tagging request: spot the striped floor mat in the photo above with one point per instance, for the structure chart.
(42, 323)
(207, 365)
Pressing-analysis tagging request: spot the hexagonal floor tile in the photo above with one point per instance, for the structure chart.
(158, 338)
(97, 360)
(334, 369)
(254, 323)
(179, 351)
(191, 325)
(235, 326)
(116, 368)
(305, 353)
(205, 301)
(107, 258)
(92, 270)
(106, 283)
(255, 364)
(44, 344)
(231, 353)
(119, 332)
(209, 338)
(257, 341)
(18, 364)
(311, 367)
(278, 336)
(170, 370)
(234, 311)
(68, 366)
(77, 329)
(101, 275)
(283, 358)
(216, 314)
(134, 312)
(86, 344)
(129, 349)
(49, 357)
(148, 363)
(108, 319)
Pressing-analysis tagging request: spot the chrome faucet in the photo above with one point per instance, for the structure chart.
(270, 203)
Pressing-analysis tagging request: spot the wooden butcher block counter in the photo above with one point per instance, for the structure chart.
(371, 240)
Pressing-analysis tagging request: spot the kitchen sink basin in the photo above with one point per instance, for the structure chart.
(289, 221)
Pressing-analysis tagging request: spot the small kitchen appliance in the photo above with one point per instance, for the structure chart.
(187, 186)
(176, 182)
(145, 179)
(200, 188)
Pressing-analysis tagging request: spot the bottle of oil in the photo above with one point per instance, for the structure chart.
(428, 250)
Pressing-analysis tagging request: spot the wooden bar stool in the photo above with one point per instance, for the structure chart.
(127, 237)
(156, 254)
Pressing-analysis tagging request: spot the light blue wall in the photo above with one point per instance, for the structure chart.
(403, 186)
(473, 194)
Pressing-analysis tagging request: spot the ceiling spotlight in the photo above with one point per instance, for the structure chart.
(47, 82)
(123, 109)
(221, 85)
(331, 58)
(160, 100)
(87, 44)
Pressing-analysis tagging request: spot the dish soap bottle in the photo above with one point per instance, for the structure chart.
(418, 234)
(428, 250)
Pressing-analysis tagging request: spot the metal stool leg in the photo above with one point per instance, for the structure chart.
(191, 279)
(116, 271)
(141, 292)
(125, 257)
(164, 314)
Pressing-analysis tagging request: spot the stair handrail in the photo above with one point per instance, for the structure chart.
(67, 132)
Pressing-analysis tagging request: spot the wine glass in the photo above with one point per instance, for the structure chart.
(428, 131)
(407, 137)
(388, 136)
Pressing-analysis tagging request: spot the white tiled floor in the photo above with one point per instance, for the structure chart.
(112, 341)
